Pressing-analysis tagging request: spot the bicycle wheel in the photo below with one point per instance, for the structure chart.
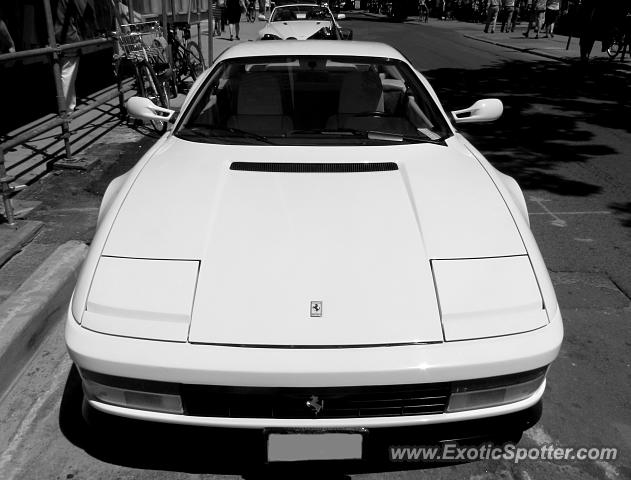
(615, 48)
(194, 59)
(150, 87)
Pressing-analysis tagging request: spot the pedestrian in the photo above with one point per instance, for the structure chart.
(552, 13)
(234, 9)
(492, 10)
(423, 11)
(74, 21)
(218, 8)
(537, 17)
(508, 11)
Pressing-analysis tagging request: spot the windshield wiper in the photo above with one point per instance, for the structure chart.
(234, 131)
(369, 134)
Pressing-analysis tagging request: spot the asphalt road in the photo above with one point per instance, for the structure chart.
(566, 138)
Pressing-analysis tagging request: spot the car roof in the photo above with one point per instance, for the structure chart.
(312, 47)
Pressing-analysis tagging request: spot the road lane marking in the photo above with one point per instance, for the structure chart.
(611, 472)
(27, 422)
(556, 220)
(538, 435)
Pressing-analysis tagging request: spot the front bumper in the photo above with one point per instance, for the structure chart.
(271, 367)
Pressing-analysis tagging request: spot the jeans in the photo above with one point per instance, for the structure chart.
(491, 18)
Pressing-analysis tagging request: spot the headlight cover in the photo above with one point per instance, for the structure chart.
(142, 298)
(488, 297)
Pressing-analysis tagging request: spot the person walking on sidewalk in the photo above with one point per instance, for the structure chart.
(492, 9)
(552, 13)
(234, 9)
(508, 12)
(537, 18)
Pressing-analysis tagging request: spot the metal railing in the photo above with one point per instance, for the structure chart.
(55, 53)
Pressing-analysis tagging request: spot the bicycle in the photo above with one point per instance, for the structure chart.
(188, 60)
(149, 83)
(620, 39)
(250, 13)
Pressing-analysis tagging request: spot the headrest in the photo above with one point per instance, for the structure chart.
(361, 92)
(259, 94)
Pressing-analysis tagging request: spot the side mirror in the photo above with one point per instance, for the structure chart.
(341, 16)
(485, 110)
(346, 33)
(143, 108)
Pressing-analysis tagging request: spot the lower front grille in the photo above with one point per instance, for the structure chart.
(327, 402)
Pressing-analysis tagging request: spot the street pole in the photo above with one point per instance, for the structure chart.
(210, 32)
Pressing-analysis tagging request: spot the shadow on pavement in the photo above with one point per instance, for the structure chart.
(552, 112)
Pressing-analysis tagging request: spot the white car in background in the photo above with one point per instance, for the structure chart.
(304, 21)
(313, 250)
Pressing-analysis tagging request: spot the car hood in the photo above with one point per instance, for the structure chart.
(300, 30)
(270, 243)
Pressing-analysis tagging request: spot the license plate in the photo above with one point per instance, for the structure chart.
(296, 447)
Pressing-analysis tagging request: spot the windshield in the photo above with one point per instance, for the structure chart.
(313, 100)
(300, 12)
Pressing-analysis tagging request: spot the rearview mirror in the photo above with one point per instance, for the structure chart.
(485, 110)
(143, 108)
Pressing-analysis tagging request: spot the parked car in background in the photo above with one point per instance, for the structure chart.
(304, 21)
(333, 260)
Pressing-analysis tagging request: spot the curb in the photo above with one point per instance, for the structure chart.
(519, 49)
(12, 239)
(33, 309)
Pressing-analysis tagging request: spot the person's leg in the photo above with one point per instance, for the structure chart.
(508, 21)
(540, 21)
(236, 25)
(231, 29)
(489, 18)
(496, 11)
(531, 21)
(69, 68)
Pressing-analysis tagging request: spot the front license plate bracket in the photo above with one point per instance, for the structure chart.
(304, 445)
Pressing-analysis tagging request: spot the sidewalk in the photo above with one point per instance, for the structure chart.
(551, 48)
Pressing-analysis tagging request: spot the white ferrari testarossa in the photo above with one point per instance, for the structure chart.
(313, 249)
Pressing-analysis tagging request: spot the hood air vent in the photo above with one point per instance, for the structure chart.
(313, 167)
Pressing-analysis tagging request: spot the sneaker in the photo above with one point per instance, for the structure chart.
(238, 37)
